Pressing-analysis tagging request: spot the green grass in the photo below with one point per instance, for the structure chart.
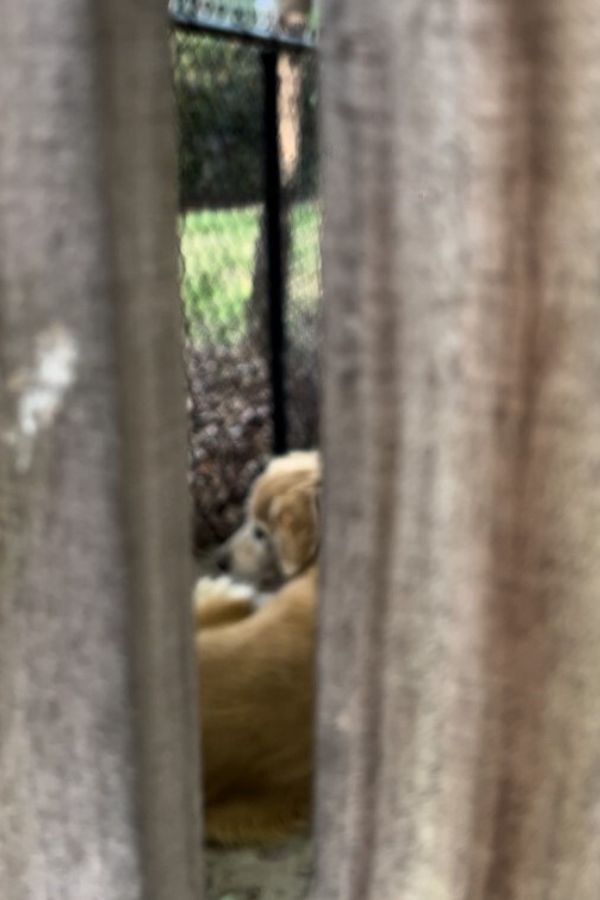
(218, 249)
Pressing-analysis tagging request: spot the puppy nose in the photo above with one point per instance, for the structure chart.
(222, 559)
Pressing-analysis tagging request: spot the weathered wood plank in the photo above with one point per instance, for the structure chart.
(459, 750)
(98, 763)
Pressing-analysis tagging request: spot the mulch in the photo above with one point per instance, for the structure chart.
(229, 409)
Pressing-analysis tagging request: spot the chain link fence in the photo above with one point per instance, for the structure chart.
(220, 97)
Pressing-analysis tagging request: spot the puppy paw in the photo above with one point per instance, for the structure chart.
(221, 601)
(223, 588)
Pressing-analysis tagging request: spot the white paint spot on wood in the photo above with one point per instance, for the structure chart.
(41, 389)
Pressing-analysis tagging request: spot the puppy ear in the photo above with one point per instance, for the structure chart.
(294, 519)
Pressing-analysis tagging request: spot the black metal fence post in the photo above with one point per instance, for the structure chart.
(276, 298)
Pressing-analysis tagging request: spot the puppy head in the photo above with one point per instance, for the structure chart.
(280, 536)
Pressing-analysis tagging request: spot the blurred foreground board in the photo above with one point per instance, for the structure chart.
(98, 741)
(459, 752)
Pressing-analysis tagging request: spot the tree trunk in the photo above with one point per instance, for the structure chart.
(98, 745)
(459, 748)
(293, 18)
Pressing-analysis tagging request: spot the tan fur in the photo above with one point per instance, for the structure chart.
(220, 601)
(279, 536)
(256, 673)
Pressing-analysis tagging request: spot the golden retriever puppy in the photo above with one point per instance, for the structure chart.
(256, 662)
(279, 536)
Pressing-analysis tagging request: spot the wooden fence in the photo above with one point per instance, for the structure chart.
(459, 663)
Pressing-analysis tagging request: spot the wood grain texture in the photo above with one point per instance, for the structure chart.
(459, 720)
(98, 747)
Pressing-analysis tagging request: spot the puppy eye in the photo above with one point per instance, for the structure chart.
(259, 533)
